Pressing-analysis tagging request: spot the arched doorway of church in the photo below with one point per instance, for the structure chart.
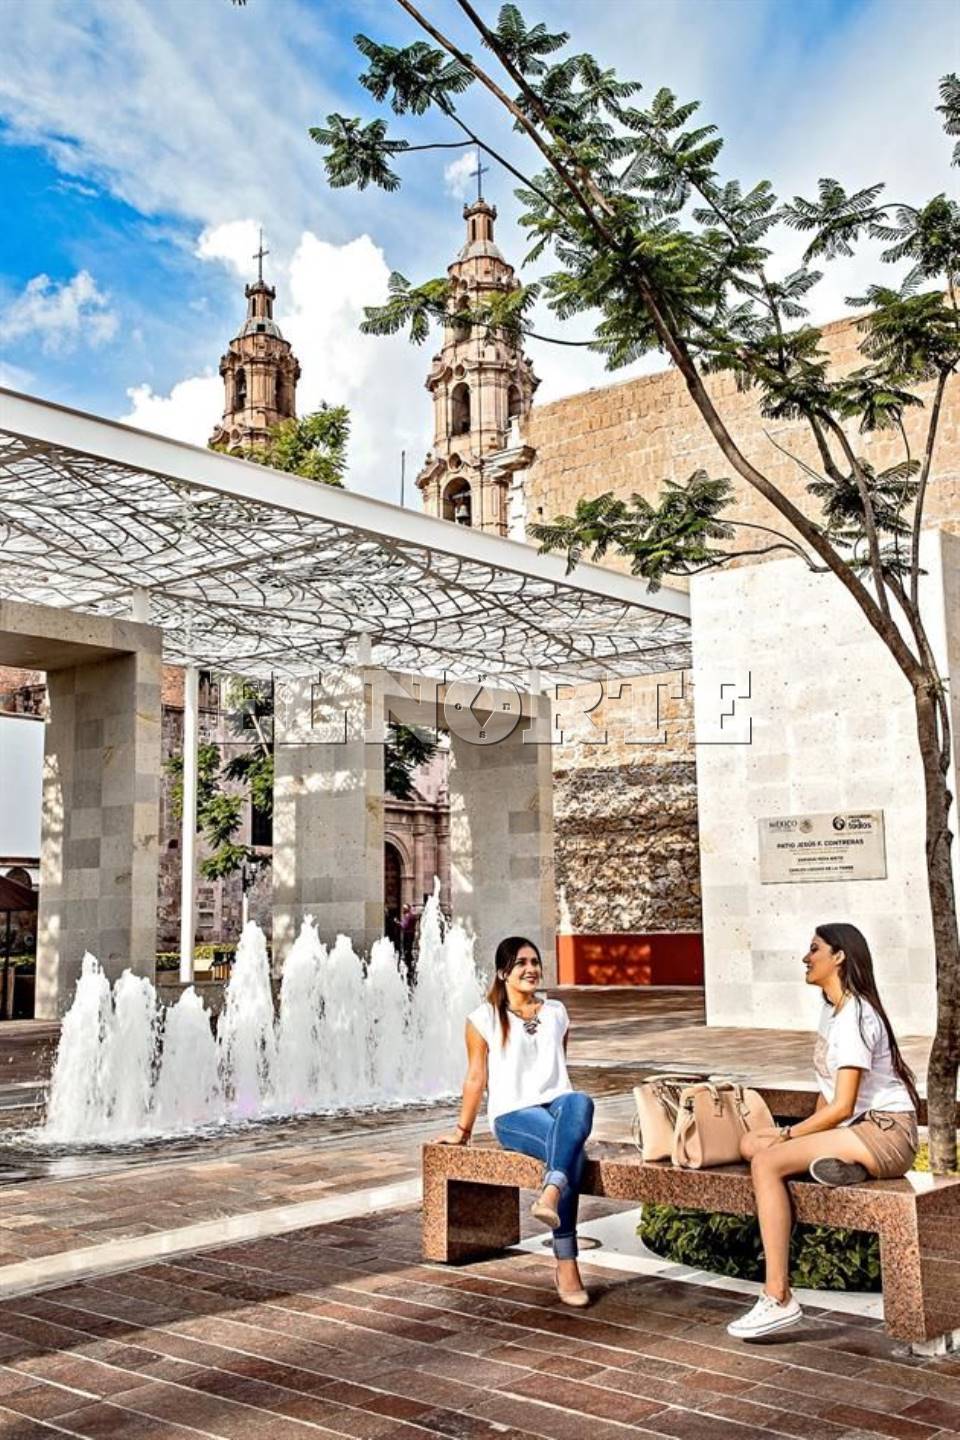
(392, 892)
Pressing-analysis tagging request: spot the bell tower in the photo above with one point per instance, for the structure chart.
(482, 387)
(260, 372)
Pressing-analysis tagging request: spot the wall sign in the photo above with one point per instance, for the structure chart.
(836, 845)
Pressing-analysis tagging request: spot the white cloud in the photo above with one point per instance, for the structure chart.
(321, 295)
(188, 413)
(235, 242)
(457, 176)
(193, 109)
(59, 315)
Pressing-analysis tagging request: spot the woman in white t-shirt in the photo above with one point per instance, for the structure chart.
(864, 1126)
(516, 1051)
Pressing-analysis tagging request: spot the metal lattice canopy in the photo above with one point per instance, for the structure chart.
(256, 572)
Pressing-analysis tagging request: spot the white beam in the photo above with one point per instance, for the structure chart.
(188, 841)
(227, 475)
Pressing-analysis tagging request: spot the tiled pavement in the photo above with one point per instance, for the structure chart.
(342, 1331)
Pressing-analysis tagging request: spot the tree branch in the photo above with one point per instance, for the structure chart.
(869, 518)
(469, 64)
(924, 476)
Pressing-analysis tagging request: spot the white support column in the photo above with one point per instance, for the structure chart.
(188, 841)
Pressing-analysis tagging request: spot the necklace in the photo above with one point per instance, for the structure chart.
(531, 1023)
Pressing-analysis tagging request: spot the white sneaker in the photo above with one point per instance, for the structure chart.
(766, 1316)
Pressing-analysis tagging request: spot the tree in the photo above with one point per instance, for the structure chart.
(407, 747)
(222, 789)
(314, 445)
(672, 256)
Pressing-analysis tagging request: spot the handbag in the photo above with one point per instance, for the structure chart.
(712, 1119)
(657, 1099)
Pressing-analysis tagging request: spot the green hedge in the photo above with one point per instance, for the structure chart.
(821, 1258)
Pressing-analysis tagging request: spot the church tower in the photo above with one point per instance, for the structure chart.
(482, 387)
(260, 372)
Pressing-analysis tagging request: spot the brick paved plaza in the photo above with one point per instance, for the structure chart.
(342, 1331)
(339, 1329)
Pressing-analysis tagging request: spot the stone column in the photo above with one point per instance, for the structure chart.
(99, 828)
(501, 840)
(328, 832)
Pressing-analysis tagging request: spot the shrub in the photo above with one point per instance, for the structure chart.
(821, 1257)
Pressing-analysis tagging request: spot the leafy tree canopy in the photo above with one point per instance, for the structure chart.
(314, 446)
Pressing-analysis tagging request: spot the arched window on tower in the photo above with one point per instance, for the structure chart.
(460, 410)
(514, 402)
(280, 396)
(457, 502)
(240, 389)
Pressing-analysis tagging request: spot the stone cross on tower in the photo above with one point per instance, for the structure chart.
(482, 385)
(260, 372)
(478, 175)
(259, 258)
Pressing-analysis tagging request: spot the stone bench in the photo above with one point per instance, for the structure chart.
(471, 1209)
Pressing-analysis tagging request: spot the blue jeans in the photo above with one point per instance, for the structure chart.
(555, 1133)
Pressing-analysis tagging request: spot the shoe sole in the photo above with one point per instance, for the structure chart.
(545, 1215)
(767, 1330)
(833, 1178)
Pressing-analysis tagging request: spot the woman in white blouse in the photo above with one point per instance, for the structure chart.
(516, 1051)
(864, 1126)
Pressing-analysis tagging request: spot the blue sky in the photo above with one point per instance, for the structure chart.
(142, 142)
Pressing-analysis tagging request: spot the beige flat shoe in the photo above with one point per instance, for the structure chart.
(540, 1210)
(577, 1298)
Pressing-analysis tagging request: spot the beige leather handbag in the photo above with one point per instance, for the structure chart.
(712, 1119)
(658, 1101)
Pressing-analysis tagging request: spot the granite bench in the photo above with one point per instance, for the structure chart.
(471, 1209)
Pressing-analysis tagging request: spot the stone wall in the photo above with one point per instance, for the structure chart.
(626, 811)
(833, 730)
(633, 435)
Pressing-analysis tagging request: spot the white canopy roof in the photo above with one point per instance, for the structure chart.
(257, 572)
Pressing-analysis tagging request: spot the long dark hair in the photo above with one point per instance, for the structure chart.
(504, 961)
(857, 977)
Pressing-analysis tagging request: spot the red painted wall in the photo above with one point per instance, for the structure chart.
(656, 959)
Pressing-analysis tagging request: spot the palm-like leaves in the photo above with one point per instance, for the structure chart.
(950, 109)
(358, 154)
(524, 46)
(674, 537)
(414, 77)
(417, 306)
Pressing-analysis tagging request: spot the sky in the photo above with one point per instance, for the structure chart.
(143, 142)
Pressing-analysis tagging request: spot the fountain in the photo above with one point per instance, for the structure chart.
(346, 1035)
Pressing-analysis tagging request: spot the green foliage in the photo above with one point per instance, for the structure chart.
(821, 1257)
(673, 536)
(406, 748)
(357, 154)
(314, 446)
(249, 772)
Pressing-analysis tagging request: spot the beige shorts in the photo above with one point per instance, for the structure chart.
(892, 1139)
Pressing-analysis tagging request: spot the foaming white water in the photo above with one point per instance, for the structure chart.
(347, 1033)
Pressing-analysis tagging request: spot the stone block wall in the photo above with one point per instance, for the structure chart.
(633, 435)
(833, 729)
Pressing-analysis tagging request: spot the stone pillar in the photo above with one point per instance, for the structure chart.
(328, 812)
(501, 840)
(814, 717)
(99, 835)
